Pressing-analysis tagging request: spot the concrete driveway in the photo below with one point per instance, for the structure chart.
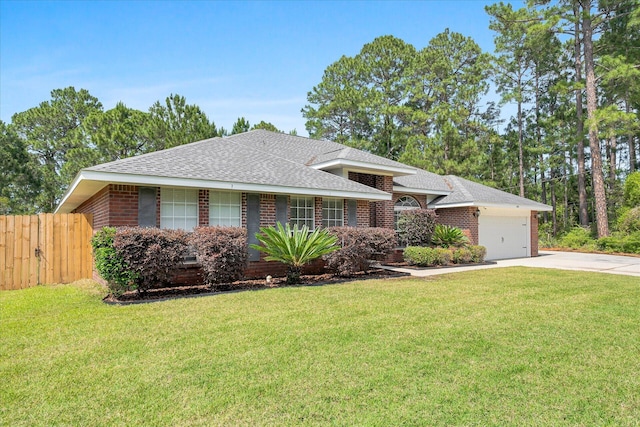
(612, 264)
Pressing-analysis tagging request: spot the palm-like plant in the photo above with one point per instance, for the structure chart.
(446, 236)
(294, 247)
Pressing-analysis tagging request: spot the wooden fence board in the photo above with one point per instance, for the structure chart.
(44, 249)
(3, 249)
(34, 241)
(10, 233)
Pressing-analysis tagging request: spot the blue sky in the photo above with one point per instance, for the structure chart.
(251, 59)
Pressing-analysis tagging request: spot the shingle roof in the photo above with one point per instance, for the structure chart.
(306, 150)
(422, 180)
(475, 194)
(232, 160)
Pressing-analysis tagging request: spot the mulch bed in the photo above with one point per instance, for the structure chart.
(162, 294)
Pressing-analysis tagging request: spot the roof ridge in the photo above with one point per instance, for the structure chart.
(458, 185)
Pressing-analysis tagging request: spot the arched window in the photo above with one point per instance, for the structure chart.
(404, 203)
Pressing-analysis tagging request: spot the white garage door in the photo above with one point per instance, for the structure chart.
(504, 236)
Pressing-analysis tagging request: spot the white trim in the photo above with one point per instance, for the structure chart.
(522, 206)
(354, 166)
(161, 181)
(410, 190)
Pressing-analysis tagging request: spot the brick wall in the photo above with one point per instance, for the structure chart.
(317, 211)
(98, 205)
(534, 233)
(384, 208)
(203, 208)
(462, 218)
(123, 205)
(267, 210)
(362, 213)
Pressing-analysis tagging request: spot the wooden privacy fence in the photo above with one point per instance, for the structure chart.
(44, 249)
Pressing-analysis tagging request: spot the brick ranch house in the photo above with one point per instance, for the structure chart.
(257, 178)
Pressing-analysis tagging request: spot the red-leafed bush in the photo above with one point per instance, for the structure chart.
(221, 252)
(358, 246)
(416, 226)
(151, 254)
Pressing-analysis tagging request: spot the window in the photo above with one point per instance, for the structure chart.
(303, 212)
(178, 208)
(404, 203)
(332, 213)
(225, 209)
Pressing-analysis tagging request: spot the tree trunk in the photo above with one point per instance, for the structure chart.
(613, 146)
(631, 140)
(543, 184)
(582, 187)
(599, 193)
(520, 149)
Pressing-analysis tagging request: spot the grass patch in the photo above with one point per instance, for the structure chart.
(515, 346)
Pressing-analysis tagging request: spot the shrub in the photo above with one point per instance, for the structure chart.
(427, 257)
(151, 254)
(294, 247)
(420, 256)
(477, 253)
(109, 264)
(621, 242)
(462, 255)
(443, 256)
(446, 236)
(632, 190)
(358, 246)
(629, 221)
(578, 237)
(416, 226)
(221, 252)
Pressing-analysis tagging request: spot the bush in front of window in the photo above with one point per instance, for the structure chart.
(358, 248)
(152, 254)
(221, 252)
(416, 226)
(110, 265)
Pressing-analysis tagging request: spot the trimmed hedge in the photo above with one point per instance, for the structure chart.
(358, 246)
(430, 257)
(151, 254)
(221, 252)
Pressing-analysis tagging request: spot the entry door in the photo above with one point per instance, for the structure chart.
(504, 236)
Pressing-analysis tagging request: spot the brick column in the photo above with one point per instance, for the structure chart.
(534, 233)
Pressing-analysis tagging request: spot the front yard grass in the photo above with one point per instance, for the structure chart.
(515, 346)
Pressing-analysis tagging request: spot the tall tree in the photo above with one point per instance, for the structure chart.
(384, 63)
(442, 117)
(240, 126)
(266, 126)
(51, 130)
(20, 180)
(514, 65)
(336, 105)
(176, 123)
(117, 133)
(361, 100)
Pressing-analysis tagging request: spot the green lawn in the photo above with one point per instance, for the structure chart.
(494, 347)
